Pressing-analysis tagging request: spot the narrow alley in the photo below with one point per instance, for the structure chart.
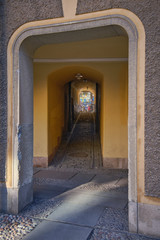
(81, 150)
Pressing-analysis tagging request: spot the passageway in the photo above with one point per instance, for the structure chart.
(75, 197)
(81, 149)
(76, 192)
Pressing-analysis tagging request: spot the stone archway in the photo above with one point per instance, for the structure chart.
(20, 113)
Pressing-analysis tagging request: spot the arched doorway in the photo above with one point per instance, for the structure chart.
(20, 128)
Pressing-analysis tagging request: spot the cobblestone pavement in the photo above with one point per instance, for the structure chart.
(16, 226)
(82, 151)
(76, 180)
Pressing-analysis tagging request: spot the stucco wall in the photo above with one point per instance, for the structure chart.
(3, 95)
(12, 15)
(148, 12)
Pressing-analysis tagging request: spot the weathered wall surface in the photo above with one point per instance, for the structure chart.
(3, 98)
(12, 15)
(19, 12)
(148, 12)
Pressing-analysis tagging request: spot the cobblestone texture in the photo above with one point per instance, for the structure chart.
(101, 234)
(40, 208)
(83, 150)
(15, 227)
(114, 220)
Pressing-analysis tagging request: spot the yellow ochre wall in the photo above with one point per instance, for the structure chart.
(113, 117)
(48, 116)
(40, 113)
(111, 47)
(55, 115)
(115, 111)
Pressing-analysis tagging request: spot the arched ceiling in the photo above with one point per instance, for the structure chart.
(67, 74)
(112, 47)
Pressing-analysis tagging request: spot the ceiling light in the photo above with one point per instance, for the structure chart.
(78, 76)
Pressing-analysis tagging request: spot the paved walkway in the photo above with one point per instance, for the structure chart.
(81, 149)
(75, 198)
(76, 205)
(80, 202)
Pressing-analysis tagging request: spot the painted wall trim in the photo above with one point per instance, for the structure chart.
(73, 60)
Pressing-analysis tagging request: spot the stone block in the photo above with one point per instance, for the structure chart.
(132, 215)
(18, 198)
(53, 230)
(52, 174)
(116, 163)
(149, 219)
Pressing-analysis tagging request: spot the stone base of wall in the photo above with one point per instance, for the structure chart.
(149, 219)
(50, 158)
(13, 200)
(144, 219)
(43, 161)
(117, 163)
(3, 198)
(40, 162)
(132, 216)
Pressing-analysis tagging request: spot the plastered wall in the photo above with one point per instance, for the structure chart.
(48, 115)
(55, 115)
(115, 111)
(40, 113)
